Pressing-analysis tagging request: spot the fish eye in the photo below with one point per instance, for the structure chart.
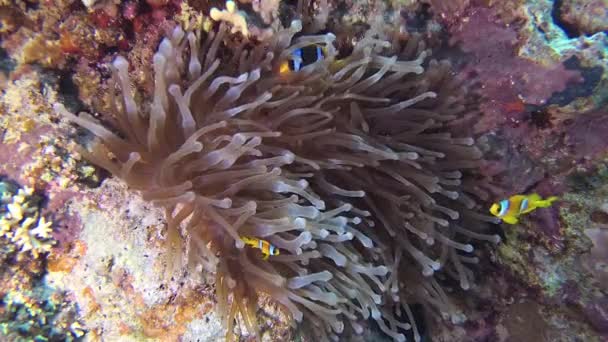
(504, 207)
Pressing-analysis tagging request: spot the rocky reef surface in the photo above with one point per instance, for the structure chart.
(84, 259)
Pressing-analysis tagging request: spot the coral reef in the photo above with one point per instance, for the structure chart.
(329, 164)
(583, 17)
(118, 275)
(40, 314)
(109, 265)
(537, 139)
(30, 310)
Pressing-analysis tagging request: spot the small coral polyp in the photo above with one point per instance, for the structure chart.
(359, 170)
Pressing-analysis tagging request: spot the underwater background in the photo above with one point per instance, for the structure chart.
(504, 98)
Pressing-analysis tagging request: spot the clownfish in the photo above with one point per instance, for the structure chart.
(266, 247)
(509, 209)
(302, 57)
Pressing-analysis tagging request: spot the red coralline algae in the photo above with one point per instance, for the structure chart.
(506, 78)
(68, 44)
(130, 10)
(587, 134)
(12, 161)
(548, 224)
(151, 19)
(584, 16)
(599, 216)
(103, 19)
(157, 3)
(449, 11)
(597, 314)
(123, 44)
(69, 225)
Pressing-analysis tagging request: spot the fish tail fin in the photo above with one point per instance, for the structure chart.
(551, 199)
(546, 202)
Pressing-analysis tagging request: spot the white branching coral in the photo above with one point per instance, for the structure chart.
(21, 224)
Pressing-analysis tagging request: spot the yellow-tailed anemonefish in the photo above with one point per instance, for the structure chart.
(510, 209)
(264, 246)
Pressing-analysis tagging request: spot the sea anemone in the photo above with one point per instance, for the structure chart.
(360, 170)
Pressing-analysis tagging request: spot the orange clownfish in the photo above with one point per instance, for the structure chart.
(302, 57)
(266, 247)
(509, 209)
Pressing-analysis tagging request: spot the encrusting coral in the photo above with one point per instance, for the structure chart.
(360, 170)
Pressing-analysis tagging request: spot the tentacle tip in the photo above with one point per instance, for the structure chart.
(158, 58)
(321, 205)
(215, 13)
(59, 108)
(436, 265)
(177, 31)
(225, 203)
(120, 62)
(299, 223)
(296, 25)
(231, 6)
(174, 89)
